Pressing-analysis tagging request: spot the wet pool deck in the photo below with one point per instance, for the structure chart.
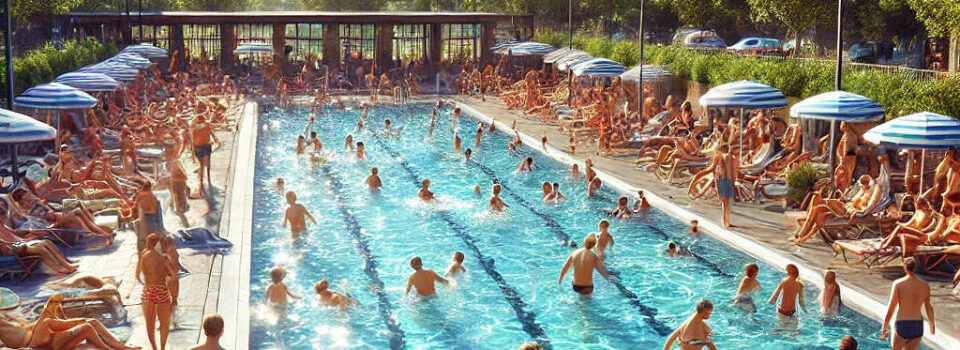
(761, 230)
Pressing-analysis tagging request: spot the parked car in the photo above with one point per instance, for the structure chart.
(757, 46)
(704, 39)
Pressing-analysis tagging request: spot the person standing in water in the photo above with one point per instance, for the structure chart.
(694, 333)
(907, 295)
(748, 286)
(583, 261)
(423, 279)
(830, 297)
(361, 152)
(425, 194)
(296, 215)
(792, 290)
(496, 204)
(605, 239)
(456, 266)
(373, 181)
(456, 143)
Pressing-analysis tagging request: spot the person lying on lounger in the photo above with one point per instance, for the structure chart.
(820, 209)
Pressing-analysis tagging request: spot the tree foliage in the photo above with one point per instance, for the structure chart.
(29, 9)
(941, 17)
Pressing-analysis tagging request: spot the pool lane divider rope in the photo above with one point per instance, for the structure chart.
(396, 336)
(649, 312)
(527, 318)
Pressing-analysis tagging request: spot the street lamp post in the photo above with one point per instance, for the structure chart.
(8, 42)
(140, 20)
(837, 84)
(640, 61)
(570, 45)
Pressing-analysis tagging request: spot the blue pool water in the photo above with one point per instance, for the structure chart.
(510, 295)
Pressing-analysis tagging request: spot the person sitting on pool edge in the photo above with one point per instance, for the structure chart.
(496, 204)
(456, 266)
(373, 181)
(332, 298)
(583, 261)
(296, 215)
(424, 192)
(694, 333)
(423, 279)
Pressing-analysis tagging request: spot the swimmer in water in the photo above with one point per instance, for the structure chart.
(456, 143)
(604, 238)
(748, 287)
(332, 298)
(791, 289)
(423, 279)
(361, 153)
(476, 142)
(433, 122)
(621, 211)
(694, 333)
(511, 148)
(641, 204)
(526, 165)
(301, 144)
(575, 170)
(554, 196)
(277, 292)
(694, 228)
(594, 186)
(547, 189)
(425, 193)
(373, 181)
(583, 261)
(296, 215)
(496, 204)
(455, 119)
(348, 143)
(456, 266)
(466, 155)
(476, 190)
(317, 146)
(675, 250)
(279, 184)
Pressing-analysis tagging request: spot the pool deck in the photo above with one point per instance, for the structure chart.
(761, 230)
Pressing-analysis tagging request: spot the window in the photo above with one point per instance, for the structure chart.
(409, 41)
(157, 35)
(306, 39)
(202, 40)
(357, 38)
(461, 41)
(247, 33)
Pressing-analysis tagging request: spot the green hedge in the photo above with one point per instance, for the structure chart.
(899, 93)
(48, 62)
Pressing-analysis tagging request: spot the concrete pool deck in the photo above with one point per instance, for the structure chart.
(761, 231)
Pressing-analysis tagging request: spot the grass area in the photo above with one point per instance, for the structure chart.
(900, 93)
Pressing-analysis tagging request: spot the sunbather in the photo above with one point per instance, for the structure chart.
(820, 209)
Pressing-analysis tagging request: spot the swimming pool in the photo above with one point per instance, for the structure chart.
(510, 295)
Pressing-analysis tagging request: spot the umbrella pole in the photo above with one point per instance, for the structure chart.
(832, 158)
(923, 161)
(741, 134)
(14, 166)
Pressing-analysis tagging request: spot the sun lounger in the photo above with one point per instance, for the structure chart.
(867, 251)
(105, 305)
(15, 265)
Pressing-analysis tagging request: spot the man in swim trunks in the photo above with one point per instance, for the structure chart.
(424, 192)
(373, 181)
(202, 133)
(423, 279)
(605, 239)
(583, 261)
(694, 333)
(725, 174)
(296, 215)
(792, 290)
(907, 295)
(155, 301)
(593, 187)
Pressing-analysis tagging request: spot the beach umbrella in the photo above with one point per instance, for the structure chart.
(837, 106)
(504, 43)
(598, 67)
(558, 55)
(923, 131)
(117, 71)
(54, 96)
(649, 73)
(88, 81)
(131, 59)
(744, 94)
(527, 49)
(254, 49)
(565, 63)
(146, 50)
(17, 128)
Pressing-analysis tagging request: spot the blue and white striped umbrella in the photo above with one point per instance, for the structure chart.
(16, 128)
(117, 71)
(922, 130)
(649, 73)
(254, 48)
(565, 63)
(88, 81)
(599, 67)
(54, 96)
(838, 105)
(146, 50)
(555, 56)
(527, 49)
(504, 43)
(130, 59)
(744, 94)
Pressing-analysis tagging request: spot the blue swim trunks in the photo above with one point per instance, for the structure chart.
(725, 188)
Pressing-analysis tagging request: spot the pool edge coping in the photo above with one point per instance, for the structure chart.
(854, 297)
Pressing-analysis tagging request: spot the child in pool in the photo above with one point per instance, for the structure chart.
(748, 286)
(456, 266)
(277, 292)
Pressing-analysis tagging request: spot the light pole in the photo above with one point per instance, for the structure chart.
(640, 61)
(140, 21)
(570, 45)
(8, 42)
(837, 84)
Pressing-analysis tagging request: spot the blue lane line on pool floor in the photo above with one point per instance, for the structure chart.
(649, 312)
(396, 336)
(527, 318)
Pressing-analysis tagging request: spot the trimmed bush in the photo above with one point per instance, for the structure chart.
(800, 180)
(48, 62)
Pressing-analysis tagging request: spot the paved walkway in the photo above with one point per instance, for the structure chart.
(762, 223)
(120, 259)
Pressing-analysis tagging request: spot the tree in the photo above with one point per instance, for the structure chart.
(941, 17)
(797, 15)
(30, 9)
